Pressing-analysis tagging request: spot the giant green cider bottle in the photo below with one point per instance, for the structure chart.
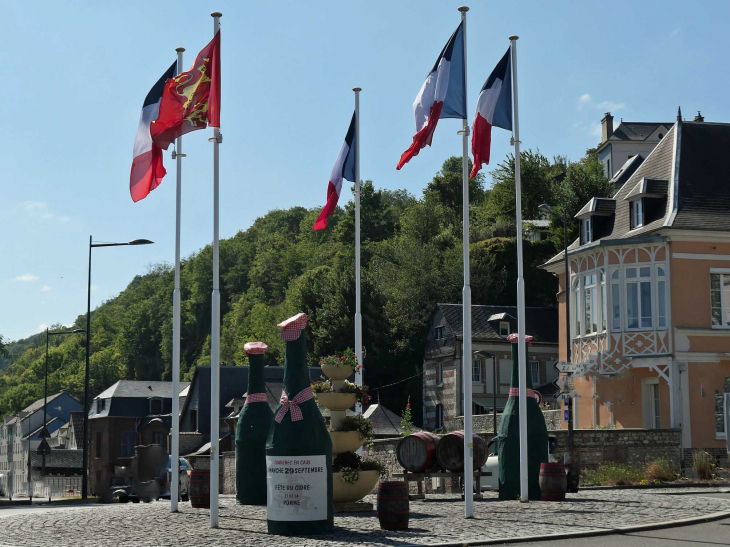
(508, 443)
(299, 448)
(252, 432)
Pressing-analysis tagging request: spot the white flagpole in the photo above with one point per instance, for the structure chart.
(175, 418)
(358, 314)
(466, 304)
(215, 331)
(524, 497)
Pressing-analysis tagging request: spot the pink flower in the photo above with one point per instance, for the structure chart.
(342, 358)
(409, 405)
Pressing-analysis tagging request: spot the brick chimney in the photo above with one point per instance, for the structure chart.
(606, 127)
(699, 117)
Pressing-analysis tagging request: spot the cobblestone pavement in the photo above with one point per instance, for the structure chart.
(436, 520)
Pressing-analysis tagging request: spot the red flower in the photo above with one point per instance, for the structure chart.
(342, 358)
(409, 405)
(375, 423)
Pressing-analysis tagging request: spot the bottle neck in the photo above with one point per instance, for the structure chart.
(296, 373)
(256, 373)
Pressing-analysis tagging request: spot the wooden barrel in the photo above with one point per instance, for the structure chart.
(417, 452)
(199, 488)
(553, 481)
(450, 452)
(393, 509)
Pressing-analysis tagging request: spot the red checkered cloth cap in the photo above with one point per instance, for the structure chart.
(292, 328)
(255, 348)
(514, 338)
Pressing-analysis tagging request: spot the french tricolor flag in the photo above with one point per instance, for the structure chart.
(494, 108)
(147, 169)
(344, 169)
(442, 95)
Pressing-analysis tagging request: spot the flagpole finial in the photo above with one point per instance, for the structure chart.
(216, 14)
(179, 49)
(356, 89)
(463, 9)
(514, 37)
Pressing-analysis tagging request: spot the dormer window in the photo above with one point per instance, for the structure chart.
(504, 329)
(438, 333)
(587, 230)
(155, 406)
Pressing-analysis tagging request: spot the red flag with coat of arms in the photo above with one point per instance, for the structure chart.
(192, 99)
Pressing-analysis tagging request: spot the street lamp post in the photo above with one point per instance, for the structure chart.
(44, 432)
(545, 208)
(85, 461)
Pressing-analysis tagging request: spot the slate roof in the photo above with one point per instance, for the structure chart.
(540, 322)
(704, 177)
(59, 458)
(636, 131)
(37, 405)
(649, 187)
(627, 169)
(77, 421)
(38, 429)
(598, 206)
(385, 422)
(486, 400)
(133, 389)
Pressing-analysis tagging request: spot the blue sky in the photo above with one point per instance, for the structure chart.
(75, 75)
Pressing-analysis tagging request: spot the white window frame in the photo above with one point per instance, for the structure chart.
(587, 229)
(502, 326)
(661, 296)
(638, 280)
(476, 367)
(637, 214)
(603, 299)
(589, 282)
(616, 323)
(575, 309)
(722, 394)
(724, 315)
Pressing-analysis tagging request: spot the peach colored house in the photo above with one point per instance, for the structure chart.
(650, 294)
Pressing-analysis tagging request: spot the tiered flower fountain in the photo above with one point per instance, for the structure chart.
(352, 478)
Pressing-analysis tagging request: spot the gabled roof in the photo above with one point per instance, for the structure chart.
(540, 322)
(38, 429)
(144, 389)
(385, 422)
(77, 422)
(38, 405)
(636, 131)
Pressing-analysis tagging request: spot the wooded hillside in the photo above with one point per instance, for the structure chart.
(411, 259)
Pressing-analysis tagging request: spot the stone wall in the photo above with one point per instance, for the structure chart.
(226, 470)
(191, 441)
(228, 463)
(634, 446)
(483, 422)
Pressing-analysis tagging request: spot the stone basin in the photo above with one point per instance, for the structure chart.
(344, 492)
(337, 401)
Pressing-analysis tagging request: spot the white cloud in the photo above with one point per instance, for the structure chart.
(34, 205)
(595, 129)
(610, 105)
(46, 288)
(39, 209)
(41, 327)
(587, 100)
(94, 288)
(27, 277)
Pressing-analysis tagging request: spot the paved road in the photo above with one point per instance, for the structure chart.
(705, 535)
(440, 519)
